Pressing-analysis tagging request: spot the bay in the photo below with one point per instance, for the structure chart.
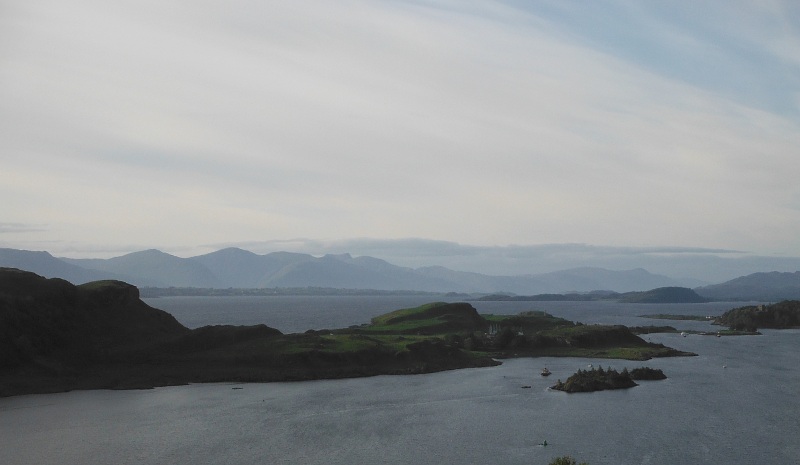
(735, 403)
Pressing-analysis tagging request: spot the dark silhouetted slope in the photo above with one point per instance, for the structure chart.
(52, 323)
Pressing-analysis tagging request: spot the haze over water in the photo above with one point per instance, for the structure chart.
(743, 413)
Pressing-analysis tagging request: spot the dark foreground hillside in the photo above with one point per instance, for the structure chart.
(51, 323)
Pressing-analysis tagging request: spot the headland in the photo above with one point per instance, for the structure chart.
(58, 337)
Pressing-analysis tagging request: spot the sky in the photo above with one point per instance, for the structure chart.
(188, 126)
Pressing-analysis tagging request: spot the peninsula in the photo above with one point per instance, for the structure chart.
(661, 295)
(781, 315)
(57, 337)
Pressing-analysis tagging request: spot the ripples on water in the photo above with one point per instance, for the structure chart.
(744, 413)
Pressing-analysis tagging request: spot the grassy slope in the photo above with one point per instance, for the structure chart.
(532, 334)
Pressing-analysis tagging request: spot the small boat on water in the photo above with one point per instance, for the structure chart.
(545, 372)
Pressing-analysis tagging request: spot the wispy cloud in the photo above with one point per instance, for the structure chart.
(18, 228)
(487, 123)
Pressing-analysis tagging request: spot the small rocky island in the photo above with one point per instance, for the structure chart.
(598, 379)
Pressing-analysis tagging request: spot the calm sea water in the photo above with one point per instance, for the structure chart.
(736, 403)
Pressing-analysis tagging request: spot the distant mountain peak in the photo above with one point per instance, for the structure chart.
(339, 256)
(149, 252)
(145, 253)
(231, 251)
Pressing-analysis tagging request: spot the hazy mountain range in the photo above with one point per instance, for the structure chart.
(706, 265)
(237, 268)
(234, 267)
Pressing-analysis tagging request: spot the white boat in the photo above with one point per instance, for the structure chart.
(545, 372)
